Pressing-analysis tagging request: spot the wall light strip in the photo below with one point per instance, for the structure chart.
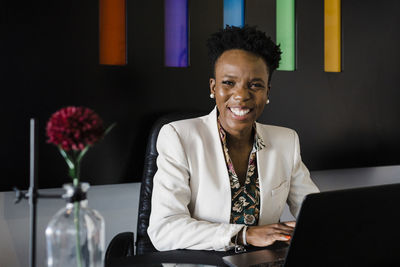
(234, 13)
(176, 32)
(332, 35)
(286, 33)
(112, 32)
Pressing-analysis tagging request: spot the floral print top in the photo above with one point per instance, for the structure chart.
(245, 198)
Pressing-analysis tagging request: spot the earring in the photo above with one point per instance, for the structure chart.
(267, 101)
(212, 95)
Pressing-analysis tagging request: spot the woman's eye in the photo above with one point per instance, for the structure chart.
(256, 85)
(227, 82)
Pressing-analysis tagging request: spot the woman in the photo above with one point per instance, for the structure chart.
(223, 179)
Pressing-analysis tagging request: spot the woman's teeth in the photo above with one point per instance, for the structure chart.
(239, 111)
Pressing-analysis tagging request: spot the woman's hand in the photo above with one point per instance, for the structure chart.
(265, 235)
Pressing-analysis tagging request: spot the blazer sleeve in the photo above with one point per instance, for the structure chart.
(171, 225)
(301, 183)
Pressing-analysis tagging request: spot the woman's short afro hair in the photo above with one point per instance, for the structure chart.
(247, 38)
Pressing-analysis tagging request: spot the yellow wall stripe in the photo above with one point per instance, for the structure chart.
(332, 36)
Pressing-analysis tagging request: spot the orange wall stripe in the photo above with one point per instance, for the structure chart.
(332, 36)
(112, 32)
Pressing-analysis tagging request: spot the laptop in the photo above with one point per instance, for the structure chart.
(351, 227)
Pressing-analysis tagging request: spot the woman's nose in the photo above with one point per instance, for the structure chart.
(241, 92)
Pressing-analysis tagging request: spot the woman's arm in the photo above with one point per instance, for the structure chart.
(301, 183)
(171, 225)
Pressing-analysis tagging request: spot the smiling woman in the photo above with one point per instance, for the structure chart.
(223, 179)
(240, 89)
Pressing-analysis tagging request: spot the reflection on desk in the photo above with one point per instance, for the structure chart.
(184, 265)
(174, 257)
(182, 258)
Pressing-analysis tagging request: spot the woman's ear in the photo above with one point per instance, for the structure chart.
(212, 86)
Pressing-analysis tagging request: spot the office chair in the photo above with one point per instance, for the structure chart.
(122, 245)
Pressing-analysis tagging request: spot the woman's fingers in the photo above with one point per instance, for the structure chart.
(291, 223)
(268, 234)
(283, 227)
(281, 237)
(276, 237)
(287, 234)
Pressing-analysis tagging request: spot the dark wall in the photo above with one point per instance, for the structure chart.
(49, 59)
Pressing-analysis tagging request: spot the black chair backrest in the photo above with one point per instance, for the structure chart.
(143, 243)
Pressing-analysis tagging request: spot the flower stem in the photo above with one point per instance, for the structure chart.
(78, 241)
(74, 163)
(75, 181)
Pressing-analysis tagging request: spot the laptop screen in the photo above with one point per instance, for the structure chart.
(352, 227)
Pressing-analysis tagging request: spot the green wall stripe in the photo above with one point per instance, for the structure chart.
(285, 33)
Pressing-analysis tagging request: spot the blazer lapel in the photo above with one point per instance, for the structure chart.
(219, 165)
(266, 169)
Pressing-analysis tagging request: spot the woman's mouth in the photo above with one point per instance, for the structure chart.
(239, 113)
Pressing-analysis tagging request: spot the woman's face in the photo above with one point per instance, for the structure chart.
(240, 88)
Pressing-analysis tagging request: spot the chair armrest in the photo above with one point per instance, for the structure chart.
(122, 245)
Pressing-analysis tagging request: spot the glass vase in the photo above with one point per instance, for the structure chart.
(75, 235)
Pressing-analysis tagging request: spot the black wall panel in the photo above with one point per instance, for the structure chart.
(49, 59)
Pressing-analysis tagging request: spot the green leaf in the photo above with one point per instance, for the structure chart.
(81, 154)
(109, 128)
(70, 162)
(72, 173)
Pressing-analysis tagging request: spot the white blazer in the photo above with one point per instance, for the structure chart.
(191, 200)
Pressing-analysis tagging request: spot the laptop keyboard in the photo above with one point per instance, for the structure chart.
(278, 263)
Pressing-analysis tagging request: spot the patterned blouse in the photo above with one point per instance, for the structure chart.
(245, 198)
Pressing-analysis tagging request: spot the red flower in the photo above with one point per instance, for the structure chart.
(74, 128)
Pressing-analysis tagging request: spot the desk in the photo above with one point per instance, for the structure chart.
(200, 257)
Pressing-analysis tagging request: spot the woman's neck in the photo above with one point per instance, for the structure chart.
(240, 139)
